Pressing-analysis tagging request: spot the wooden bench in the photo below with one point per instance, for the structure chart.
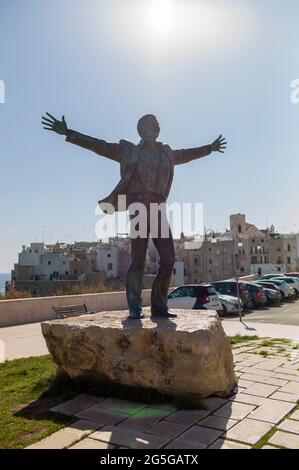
(71, 311)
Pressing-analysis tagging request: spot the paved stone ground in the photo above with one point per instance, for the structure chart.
(262, 412)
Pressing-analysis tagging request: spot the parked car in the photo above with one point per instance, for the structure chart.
(291, 274)
(195, 296)
(293, 282)
(269, 276)
(273, 296)
(271, 286)
(257, 294)
(285, 290)
(230, 304)
(229, 287)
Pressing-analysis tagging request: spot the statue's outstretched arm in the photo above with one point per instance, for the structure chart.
(98, 146)
(187, 155)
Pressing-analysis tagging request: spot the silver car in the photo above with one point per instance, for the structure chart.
(230, 304)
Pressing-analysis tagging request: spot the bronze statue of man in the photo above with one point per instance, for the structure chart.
(146, 177)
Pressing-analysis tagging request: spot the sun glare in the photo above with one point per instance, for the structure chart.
(161, 17)
(183, 27)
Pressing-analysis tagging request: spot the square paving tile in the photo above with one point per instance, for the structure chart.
(122, 406)
(234, 410)
(285, 439)
(226, 444)
(244, 383)
(242, 397)
(269, 365)
(261, 390)
(295, 415)
(127, 438)
(184, 444)
(187, 417)
(272, 411)
(211, 404)
(291, 387)
(252, 370)
(216, 422)
(265, 380)
(79, 403)
(60, 439)
(164, 407)
(289, 370)
(202, 435)
(167, 429)
(100, 415)
(292, 378)
(289, 425)
(92, 444)
(290, 397)
(144, 419)
(249, 431)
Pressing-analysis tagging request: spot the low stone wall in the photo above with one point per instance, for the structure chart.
(33, 310)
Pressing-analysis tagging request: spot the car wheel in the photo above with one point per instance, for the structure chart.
(224, 312)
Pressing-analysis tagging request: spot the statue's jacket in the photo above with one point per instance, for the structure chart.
(126, 153)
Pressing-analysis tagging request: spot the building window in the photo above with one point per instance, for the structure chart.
(289, 260)
(36, 251)
(239, 229)
(49, 263)
(210, 261)
(195, 261)
(289, 247)
(108, 256)
(254, 260)
(109, 267)
(174, 271)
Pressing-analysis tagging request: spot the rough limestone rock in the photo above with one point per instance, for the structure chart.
(187, 355)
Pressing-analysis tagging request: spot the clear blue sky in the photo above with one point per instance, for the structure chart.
(201, 67)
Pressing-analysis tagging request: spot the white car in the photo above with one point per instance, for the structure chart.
(267, 277)
(286, 291)
(292, 282)
(230, 304)
(195, 296)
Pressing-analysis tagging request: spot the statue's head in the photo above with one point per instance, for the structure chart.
(148, 127)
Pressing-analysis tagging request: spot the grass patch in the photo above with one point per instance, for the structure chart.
(263, 353)
(237, 339)
(265, 439)
(28, 389)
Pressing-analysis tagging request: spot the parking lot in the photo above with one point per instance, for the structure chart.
(286, 314)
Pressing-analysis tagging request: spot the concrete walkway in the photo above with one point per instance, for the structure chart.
(27, 340)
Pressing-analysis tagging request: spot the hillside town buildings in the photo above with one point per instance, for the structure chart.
(242, 250)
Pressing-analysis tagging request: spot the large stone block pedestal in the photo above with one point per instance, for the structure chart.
(187, 355)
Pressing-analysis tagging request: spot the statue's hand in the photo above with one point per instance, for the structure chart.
(52, 124)
(219, 145)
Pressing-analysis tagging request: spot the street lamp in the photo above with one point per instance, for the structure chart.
(207, 231)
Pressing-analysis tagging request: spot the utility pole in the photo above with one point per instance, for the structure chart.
(237, 277)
